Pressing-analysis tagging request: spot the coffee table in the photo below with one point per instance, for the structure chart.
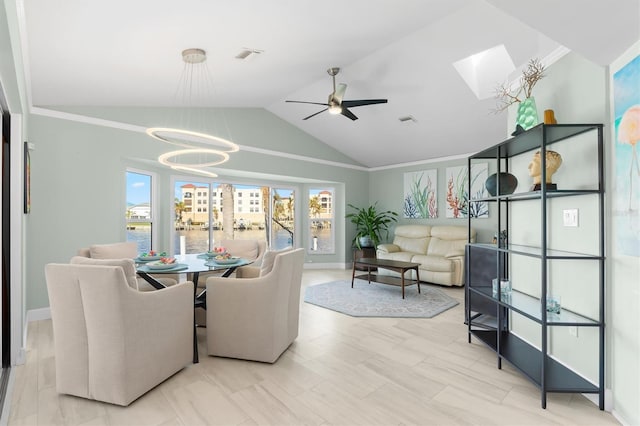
(394, 265)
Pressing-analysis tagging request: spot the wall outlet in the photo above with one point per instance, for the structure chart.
(570, 217)
(573, 331)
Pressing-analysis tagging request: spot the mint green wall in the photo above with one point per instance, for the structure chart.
(386, 187)
(254, 127)
(78, 185)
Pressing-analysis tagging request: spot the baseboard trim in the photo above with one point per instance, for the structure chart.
(619, 418)
(38, 314)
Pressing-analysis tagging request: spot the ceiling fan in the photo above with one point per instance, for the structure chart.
(335, 104)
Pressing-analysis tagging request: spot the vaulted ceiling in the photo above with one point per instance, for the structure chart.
(127, 53)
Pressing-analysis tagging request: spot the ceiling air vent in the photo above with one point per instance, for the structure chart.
(246, 53)
(408, 118)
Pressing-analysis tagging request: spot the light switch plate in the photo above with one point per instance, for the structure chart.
(570, 217)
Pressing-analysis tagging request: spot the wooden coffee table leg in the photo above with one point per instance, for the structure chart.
(402, 271)
(353, 273)
(418, 279)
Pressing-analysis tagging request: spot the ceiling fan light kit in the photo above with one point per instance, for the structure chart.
(335, 104)
(198, 147)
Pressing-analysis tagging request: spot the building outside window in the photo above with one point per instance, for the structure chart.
(321, 221)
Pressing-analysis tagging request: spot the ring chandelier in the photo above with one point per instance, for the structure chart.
(202, 145)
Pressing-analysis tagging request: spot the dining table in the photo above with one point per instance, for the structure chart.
(192, 265)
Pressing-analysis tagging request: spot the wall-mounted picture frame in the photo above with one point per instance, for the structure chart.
(27, 179)
(460, 204)
(420, 194)
(626, 195)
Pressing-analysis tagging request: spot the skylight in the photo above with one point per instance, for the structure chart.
(482, 71)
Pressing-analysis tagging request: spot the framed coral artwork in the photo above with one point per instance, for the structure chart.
(459, 203)
(626, 196)
(420, 195)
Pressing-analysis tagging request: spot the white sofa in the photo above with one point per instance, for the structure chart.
(438, 249)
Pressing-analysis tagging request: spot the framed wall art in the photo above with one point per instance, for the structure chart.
(459, 204)
(626, 196)
(420, 195)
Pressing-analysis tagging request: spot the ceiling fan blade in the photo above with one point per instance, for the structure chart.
(339, 93)
(312, 103)
(362, 102)
(348, 113)
(313, 115)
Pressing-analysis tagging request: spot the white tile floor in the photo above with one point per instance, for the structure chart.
(340, 371)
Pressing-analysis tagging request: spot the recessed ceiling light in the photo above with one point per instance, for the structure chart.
(247, 52)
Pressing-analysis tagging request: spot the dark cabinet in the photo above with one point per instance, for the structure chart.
(364, 252)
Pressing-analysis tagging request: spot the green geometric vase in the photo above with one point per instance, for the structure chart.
(527, 113)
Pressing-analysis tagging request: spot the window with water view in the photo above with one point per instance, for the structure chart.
(206, 213)
(321, 221)
(139, 213)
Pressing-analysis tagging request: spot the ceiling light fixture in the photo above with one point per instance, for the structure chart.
(203, 156)
(193, 97)
(335, 109)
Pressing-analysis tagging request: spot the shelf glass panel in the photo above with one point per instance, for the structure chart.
(537, 251)
(532, 138)
(531, 307)
(536, 195)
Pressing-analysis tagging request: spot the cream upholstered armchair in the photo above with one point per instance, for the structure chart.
(263, 267)
(112, 342)
(252, 250)
(256, 318)
(128, 250)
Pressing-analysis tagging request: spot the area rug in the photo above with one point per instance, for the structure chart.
(379, 300)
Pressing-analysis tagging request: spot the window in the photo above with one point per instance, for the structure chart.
(282, 218)
(321, 221)
(139, 208)
(203, 226)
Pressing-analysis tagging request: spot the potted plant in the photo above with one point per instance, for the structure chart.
(370, 223)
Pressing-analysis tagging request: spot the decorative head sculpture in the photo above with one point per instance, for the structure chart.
(553, 162)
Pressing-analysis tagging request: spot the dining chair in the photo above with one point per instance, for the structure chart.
(125, 250)
(255, 318)
(113, 343)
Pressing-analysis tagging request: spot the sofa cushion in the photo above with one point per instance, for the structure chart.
(413, 231)
(447, 240)
(412, 238)
(403, 256)
(434, 263)
(114, 251)
(127, 266)
(450, 232)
